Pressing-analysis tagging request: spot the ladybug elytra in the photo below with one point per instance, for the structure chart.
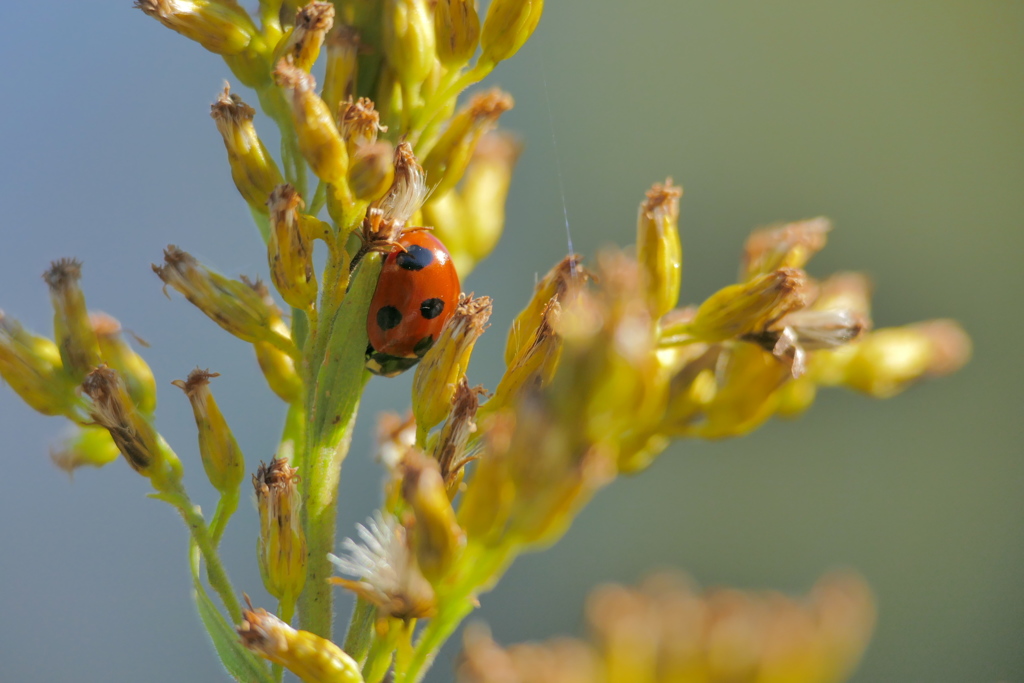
(417, 292)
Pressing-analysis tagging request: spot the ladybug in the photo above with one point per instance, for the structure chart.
(417, 292)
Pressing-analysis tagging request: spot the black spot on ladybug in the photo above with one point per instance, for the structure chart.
(422, 346)
(388, 317)
(431, 308)
(415, 257)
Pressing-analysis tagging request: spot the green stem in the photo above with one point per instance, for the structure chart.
(320, 512)
(226, 507)
(340, 375)
(435, 105)
(440, 628)
(360, 629)
(378, 659)
(215, 572)
(482, 568)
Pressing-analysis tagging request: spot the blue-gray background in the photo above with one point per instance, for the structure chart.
(901, 121)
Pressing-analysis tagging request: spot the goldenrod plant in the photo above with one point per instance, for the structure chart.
(604, 367)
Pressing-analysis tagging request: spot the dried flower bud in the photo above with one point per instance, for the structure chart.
(507, 27)
(289, 252)
(449, 157)
(450, 450)
(658, 248)
(386, 570)
(790, 245)
(252, 167)
(408, 38)
(438, 374)
(319, 140)
(222, 458)
(302, 45)
(408, 190)
(88, 446)
(281, 550)
(221, 27)
(144, 449)
(342, 65)
(79, 350)
(372, 172)
(31, 365)
(437, 537)
(746, 308)
(360, 123)
(305, 654)
(241, 307)
(119, 355)
(456, 31)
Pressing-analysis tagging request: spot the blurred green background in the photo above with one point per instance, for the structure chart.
(902, 121)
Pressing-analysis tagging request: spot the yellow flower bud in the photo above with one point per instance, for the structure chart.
(289, 252)
(112, 408)
(437, 537)
(561, 283)
(252, 167)
(119, 355)
(319, 140)
(507, 27)
(281, 550)
(221, 27)
(408, 39)
(302, 45)
(311, 658)
(533, 366)
(279, 370)
(456, 31)
(372, 171)
(481, 217)
(342, 66)
(744, 308)
(79, 350)
(449, 157)
(790, 245)
(658, 248)
(889, 360)
(746, 395)
(241, 307)
(222, 458)
(31, 365)
(438, 374)
(89, 446)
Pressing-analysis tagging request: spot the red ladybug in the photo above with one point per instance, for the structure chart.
(417, 292)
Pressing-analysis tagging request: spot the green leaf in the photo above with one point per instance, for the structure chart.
(243, 665)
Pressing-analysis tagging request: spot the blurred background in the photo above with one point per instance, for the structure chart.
(900, 121)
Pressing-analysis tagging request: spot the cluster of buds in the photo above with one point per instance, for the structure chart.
(393, 68)
(603, 370)
(91, 375)
(668, 631)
